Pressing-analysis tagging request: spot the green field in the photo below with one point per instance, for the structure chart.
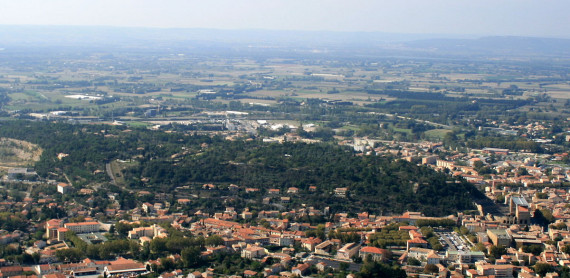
(437, 134)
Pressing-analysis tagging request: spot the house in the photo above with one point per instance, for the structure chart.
(347, 251)
(310, 243)
(497, 270)
(341, 191)
(321, 266)
(7, 271)
(251, 190)
(195, 274)
(147, 207)
(408, 228)
(465, 257)
(376, 254)
(416, 242)
(150, 232)
(246, 215)
(253, 252)
(324, 248)
(293, 190)
(54, 275)
(64, 188)
(433, 258)
(183, 201)
(123, 266)
(300, 269)
(420, 254)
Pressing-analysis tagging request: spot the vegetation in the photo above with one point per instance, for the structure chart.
(375, 183)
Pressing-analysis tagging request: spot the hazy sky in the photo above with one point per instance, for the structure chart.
(549, 18)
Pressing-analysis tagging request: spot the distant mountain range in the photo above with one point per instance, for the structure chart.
(496, 46)
(315, 42)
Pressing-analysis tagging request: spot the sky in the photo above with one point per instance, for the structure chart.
(538, 18)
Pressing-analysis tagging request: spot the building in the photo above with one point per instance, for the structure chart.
(20, 173)
(429, 160)
(419, 254)
(505, 270)
(293, 190)
(464, 257)
(496, 151)
(61, 233)
(51, 228)
(416, 242)
(300, 269)
(124, 267)
(324, 248)
(253, 252)
(347, 251)
(519, 208)
(375, 253)
(83, 227)
(64, 188)
(310, 243)
(7, 271)
(499, 237)
(151, 232)
(433, 258)
(341, 191)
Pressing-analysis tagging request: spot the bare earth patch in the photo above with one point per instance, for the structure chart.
(14, 153)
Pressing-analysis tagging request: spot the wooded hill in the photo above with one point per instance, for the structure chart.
(167, 161)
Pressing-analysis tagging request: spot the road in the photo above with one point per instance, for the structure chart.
(417, 120)
(110, 173)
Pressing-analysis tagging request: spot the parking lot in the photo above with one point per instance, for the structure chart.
(453, 242)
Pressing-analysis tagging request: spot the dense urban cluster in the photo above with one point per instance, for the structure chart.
(520, 230)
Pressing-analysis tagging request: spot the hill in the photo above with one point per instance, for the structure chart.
(492, 46)
(166, 162)
(82, 39)
(375, 183)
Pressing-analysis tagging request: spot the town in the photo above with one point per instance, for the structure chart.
(522, 232)
(267, 160)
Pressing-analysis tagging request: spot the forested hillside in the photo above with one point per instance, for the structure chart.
(167, 161)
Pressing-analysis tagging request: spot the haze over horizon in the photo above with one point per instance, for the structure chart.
(477, 18)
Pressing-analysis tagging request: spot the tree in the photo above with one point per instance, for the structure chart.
(158, 245)
(344, 266)
(191, 256)
(566, 249)
(543, 217)
(497, 251)
(123, 229)
(542, 268)
(431, 268)
(414, 261)
(373, 269)
(479, 247)
(69, 255)
(534, 249)
(214, 240)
